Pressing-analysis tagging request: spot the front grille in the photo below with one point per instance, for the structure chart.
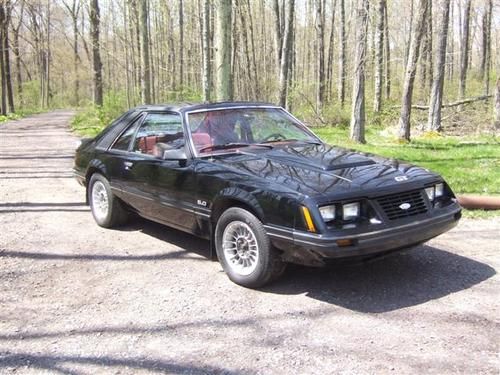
(391, 204)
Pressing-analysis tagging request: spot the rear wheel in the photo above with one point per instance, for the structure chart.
(244, 249)
(108, 211)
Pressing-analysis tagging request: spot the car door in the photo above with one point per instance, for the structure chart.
(165, 186)
(118, 159)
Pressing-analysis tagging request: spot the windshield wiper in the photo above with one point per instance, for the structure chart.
(226, 146)
(290, 140)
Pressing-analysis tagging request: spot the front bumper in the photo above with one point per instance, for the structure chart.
(317, 249)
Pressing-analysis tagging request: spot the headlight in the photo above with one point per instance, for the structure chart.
(439, 190)
(435, 191)
(327, 212)
(430, 193)
(350, 211)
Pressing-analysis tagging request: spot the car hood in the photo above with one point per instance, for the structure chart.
(323, 170)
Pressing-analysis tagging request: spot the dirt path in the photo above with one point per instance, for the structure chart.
(75, 298)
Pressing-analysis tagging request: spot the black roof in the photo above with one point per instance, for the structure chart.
(185, 107)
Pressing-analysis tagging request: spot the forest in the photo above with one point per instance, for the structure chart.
(412, 65)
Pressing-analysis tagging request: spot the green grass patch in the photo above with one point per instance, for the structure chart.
(469, 164)
(9, 116)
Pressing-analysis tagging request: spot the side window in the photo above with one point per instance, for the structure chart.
(159, 132)
(123, 142)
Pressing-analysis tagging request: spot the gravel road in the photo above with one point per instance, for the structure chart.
(79, 299)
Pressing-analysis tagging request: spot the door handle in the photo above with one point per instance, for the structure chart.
(128, 164)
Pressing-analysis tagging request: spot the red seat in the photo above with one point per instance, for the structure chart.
(201, 140)
(147, 144)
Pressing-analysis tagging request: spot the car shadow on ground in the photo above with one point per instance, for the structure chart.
(397, 281)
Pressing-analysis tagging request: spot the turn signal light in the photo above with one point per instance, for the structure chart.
(308, 219)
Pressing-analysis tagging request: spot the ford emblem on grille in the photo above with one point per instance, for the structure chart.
(404, 206)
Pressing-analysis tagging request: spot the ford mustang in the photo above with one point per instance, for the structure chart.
(260, 186)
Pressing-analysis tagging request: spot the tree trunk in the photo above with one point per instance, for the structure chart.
(3, 106)
(17, 55)
(342, 55)
(48, 57)
(497, 105)
(486, 46)
(464, 49)
(285, 51)
(146, 68)
(96, 54)
(411, 68)
(278, 35)
(379, 57)
(181, 43)
(223, 70)
(329, 65)
(6, 10)
(207, 66)
(436, 99)
(451, 48)
(74, 11)
(430, 47)
(358, 89)
(320, 57)
(387, 50)
(410, 33)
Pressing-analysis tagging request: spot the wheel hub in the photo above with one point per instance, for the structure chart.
(240, 247)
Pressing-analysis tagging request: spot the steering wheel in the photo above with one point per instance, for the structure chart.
(276, 136)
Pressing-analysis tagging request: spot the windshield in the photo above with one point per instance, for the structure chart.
(243, 127)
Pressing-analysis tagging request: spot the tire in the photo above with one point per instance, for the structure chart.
(108, 211)
(244, 249)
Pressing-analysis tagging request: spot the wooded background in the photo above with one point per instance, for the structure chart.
(320, 58)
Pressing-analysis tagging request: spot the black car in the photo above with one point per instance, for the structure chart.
(260, 186)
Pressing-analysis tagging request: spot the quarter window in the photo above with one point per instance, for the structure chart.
(159, 132)
(123, 142)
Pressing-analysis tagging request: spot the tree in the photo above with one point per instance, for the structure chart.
(342, 55)
(74, 10)
(5, 14)
(387, 51)
(96, 54)
(411, 69)
(17, 55)
(181, 43)
(436, 99)
(3, 104)
(285, 53)
(497, 104)
(223, 69)
(146, 69)
(485, 56)
(379, 56)
(329, 66)
(358, 88)
(320, 56)
(206, 41)
(464, 49)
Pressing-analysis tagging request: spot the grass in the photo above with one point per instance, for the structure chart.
(470, 164)
(10, 116)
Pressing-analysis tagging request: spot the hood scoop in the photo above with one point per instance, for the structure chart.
(346, 165)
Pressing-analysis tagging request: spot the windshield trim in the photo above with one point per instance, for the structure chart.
(249, 106)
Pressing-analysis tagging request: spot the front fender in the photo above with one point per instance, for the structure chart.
(235, 194)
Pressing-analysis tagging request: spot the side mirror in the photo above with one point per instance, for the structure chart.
(175, 154)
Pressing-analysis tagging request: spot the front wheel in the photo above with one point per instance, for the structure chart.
(244, 249)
